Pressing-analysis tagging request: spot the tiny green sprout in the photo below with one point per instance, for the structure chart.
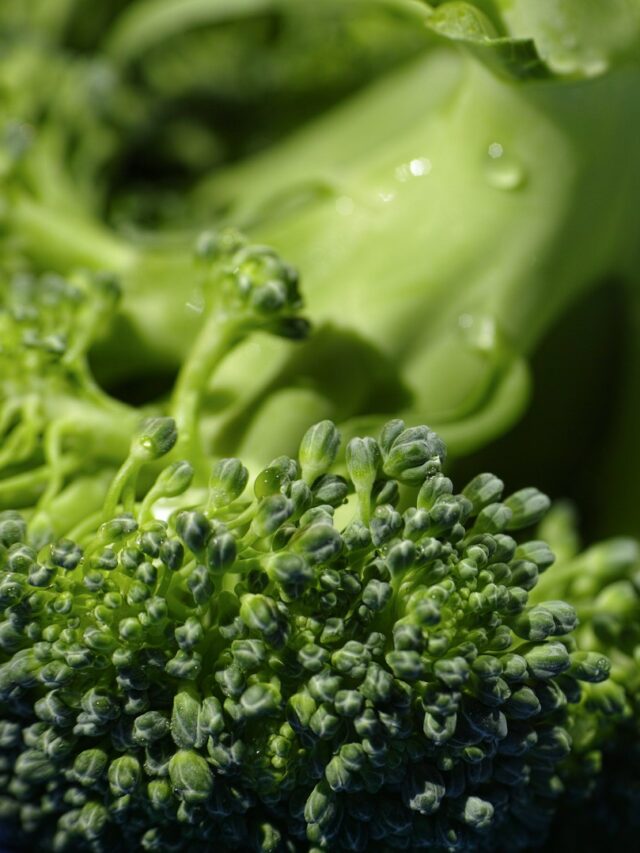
(191, 776)
(227, 482)
(155, 438)
(363, 463)
(318, 450)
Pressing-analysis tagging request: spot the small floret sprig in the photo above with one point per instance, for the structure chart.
(59, 430)
(313, 662)
(55, 421)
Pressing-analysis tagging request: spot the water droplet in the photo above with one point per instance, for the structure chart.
(502, 171)
(480, 331)
(386, 197)
(420, 166)
(416, 168)
(344, 205)
(195, 303)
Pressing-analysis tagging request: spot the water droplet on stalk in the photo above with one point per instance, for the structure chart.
(501, 170)
(416, 168)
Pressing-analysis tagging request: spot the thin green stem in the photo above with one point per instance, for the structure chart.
(123, 479)
(25, 488)
(65, 242)
(364, 504)
(216, 338)
(86, 526)
(246, 517)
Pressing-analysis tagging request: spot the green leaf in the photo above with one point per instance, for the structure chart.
(512, 57)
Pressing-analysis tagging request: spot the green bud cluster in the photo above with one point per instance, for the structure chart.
(254, 287)
(602, 773)
(57, 426)
(47, 324)
(299, 664)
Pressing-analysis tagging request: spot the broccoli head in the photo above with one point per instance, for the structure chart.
(310, 662)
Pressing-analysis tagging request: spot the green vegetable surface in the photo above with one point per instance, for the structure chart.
(337, 651)
(287, 665)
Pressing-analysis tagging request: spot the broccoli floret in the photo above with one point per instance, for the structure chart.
(55, 421)
(601, 774)
(309, 662)
(62, 435)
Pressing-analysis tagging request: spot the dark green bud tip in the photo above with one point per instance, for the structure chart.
(190, 776)
(292, 572)
(424, 792)
(330, 489)
(319, 543)
(172, 554)
(493, 518)
(483, 490)
(174, 479)
(412, 454)
(432, 489)
(200, 584)
(93, 820)
(117, 528)
(21, 558)
(590, 666)
(547, 660)
(356, 536)
(260, 700)
(321, 808)
(90, 765)
(318, 450)
(363, 462)
(292, 328)
(66, 554)
(259, 613)
(124, 775)
(550, 619)
(527, 506)
(272, 512)
(401, 556)
(477, 813)
(221, 552)
(13, 528)
(194, 528)
(536, 552)
(155, 438)
(190, 634)
(150, 727)
(184, 720)
(227, 482)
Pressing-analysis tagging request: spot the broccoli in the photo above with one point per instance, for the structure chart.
(603, 770)
(335, 652)
(298, 663)
(438, 247)
(56, 421)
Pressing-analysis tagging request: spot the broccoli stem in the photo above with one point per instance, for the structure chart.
(215, 340)
(64, 242)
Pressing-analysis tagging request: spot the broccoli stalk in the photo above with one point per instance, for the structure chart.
(496, 203)
(601, 583)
